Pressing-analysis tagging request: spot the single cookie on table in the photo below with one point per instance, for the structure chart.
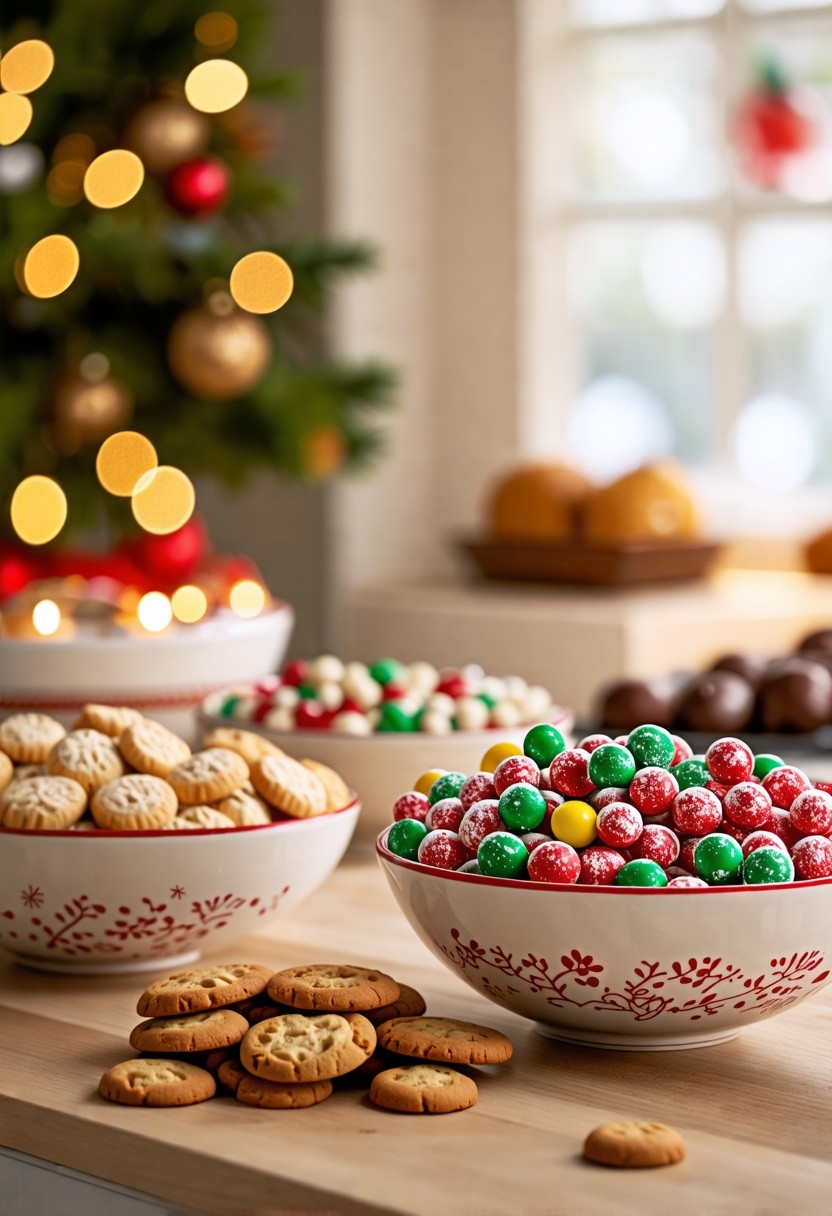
(231, 1073)
(202, 988)
(151, 748)
(88, 757)
(634, 1145)
(6, 771)
(337, 791)
(204, 1031)
(110, 720)
(134, 803)
(409, 1004)
(245, 809)
(445, 1039)
(203, 817)
(307, 1047)
(288, 786)
(279, 1095)
(42, 803)
(423, 1089)
(208, 776)
(156, 1083)
(335, 986)
(29, 738)
(245, 743)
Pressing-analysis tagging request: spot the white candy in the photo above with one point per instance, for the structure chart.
(422, 678)
(330, 695)
(441, 703)
(286, 697)
(515, 686)
(436, 723)
(360, 686)
(282, 717)
(506, 713)
(374, 717)
(536, 703)
(245, 707)
(474, 674)
(351, 723)
(324, 669)
(471, 713)
(493, 686)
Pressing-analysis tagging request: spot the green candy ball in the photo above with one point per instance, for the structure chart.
(522, 807)
(502, 855)
(542, 743)
(641, 873)
(691, 772)
(651, 746)
(470, 867)
(764, 763)
(307, 692)
(446, 786)
(228, 706)
(768, 864)
(718, 859)
(611, 764)
(404, 838)
(394, 718)
(385, 671)
(487, 699)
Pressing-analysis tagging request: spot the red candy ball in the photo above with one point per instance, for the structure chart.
(569, 773)
(653, 789)
(687, 849)
(513, 770)
(453, 685)
(697, 811)
(811, 813)
(311, 715)
(479, 821)
(731, 829)
(552, 799)
(718, 788)
(748, 806)
(619, 824)
(532, 839)
(442, 849)
(480, 786)
(411, 805)
(611, 793)
(784, 784)
(687, 881)
(446, 813)
(599, 866)
(684, 751)
(554, 861)
(294, 673)
(657, 844)
(762, 840)
(730, 760)
(393, 691)
(590, 743)
(780, 824)
(812, 857)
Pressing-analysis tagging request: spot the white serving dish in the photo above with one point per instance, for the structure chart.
(102, 903)
(633, 969)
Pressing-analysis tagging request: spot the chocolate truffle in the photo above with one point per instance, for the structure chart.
(750, 666)
(795, 696)
(629, 703)
(821, 639)
(716, 701)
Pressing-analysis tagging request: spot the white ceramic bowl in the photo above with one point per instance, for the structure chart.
(383, 765)
(634, 969)
(96, 902)
(165, 676)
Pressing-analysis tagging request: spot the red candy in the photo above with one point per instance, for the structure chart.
(393, 692)
(411, 805)
(657, 844)
(442, 849)
(480, 786)
(748, 806)
(696, 811)
(731, 829)
(532, 839)
(784, 784)
(552, 798)
(513, 770)
(730, 760)
(599, 866)
(717, 787)
(653, 789)
(311, 715)
(686, 850)
(610, 793)
(554, 861)
(762, 840)
(687, 880)
(780, 824)
(812, 857)
(619, 824)
(480, 821)
(811, 813)
(294, 673)
(453, 685)
(447, 813)
(569, 773)
(590, 743)
(684, 751)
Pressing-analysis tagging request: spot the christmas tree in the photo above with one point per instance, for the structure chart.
(147, 337)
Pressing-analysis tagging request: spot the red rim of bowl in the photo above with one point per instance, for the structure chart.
(525, 884)
(139, 834)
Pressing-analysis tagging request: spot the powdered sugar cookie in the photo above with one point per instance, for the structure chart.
(244, 742)
(244, 809)
(42, 803)
(204, 817)
(137, 801)
(337, 790)
(29, 738)
(88, 757)
(289, 786)
(208, 776)
(110, 720)
(151, 748)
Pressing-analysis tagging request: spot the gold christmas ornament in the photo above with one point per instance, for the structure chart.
(166, 132)
(324, 452)
(217, 351)
(88, 404)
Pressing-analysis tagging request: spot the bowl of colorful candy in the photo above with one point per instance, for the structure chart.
(382, 725)
(623, 893)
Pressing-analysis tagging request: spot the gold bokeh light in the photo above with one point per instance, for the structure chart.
(46, 618)
(163, 500)
(247, 598)
(261, 282)
(113, 178)
(216, 85)
(123, 460)
(189, 604)
(154, 612)
(27, 66)
(50, 266)
(217, 31)
(38, 510)
(15, 116)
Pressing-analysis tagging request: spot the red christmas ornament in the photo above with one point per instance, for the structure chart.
(15, 573)
(174, 557)
(198, 187)
(771, 127)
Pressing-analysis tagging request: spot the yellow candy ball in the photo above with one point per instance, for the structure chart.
(427, 779)
(573, 822)
(496, 754)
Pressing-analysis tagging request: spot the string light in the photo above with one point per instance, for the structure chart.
(27, 66)
(216, 85)
(113, 178)
(218, 31)
(154, 612)
(247, 598)
(46, 618)
(261, 282)
(15, 116)
(123, 460)
(189, 604)
(38, 510)
(50, 266)
(163, 500)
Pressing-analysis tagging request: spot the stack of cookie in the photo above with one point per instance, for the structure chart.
(281, 1041)
(119, 771)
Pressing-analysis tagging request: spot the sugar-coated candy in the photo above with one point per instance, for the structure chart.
(422, 677)
(784, 784)
(719, 788)
(748, 805)
(470, 867)
(514, 769)
(762, 840)
(441, 703)
(552, 798)
(682, 750)
(471, 713)
(522, 807)
(405, 836)
(542, 743)
(612, 793)
(385, 671)
(619, 824)
(287, 695)
(351, 723)
(687, 850)
(611, 764)
(811, 813)
(479, 821)
(691, 772)
(686, 881)
(281, 718)
(441, 848)
(812, 857)
(447, 813)
(651, 746)
(730, 760)
(446, 786)
(641, 873)
(532, 839)
(453, 683)
(768, 864)
(780, 824)
(599, 866)
(696, 811)
(653, 789)
(311, 715)
(657, 843)
(497, 753)
(423, 783)
(554, 861)
(326, 668)
(764, 762)
(502, 855)
(574, 823)
(477, 787)
(536, 703)
(718, 859)
(432, 722)
(731, 829)
(569, 773)
(506, 714)
(412, 805)
(591, 743)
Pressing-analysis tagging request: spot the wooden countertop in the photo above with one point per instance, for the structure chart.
(756, 1113)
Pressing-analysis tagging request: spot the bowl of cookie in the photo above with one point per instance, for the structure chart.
(122, 851)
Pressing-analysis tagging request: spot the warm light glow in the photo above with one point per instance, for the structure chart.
(261, 282)
(46, 618)
(216, 30)
(50, 266)
(216, 85)
(189, 604)
(648, 135)
(15, 116)
(247, 598)
(38, 510)
(163, 500)
(774, 442)
(154, 611)
(123, 460)
(26, 66)
(65, 183)
(74, 147)
(616, 425)
(113, 178)
(683, 273)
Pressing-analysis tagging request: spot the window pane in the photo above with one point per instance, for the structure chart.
(780, 6)
(648, 124)
(631, 12)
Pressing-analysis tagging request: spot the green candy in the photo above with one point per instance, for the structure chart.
(651, 746)
(502, 855)
(641, 873)
(228, 706)
(446, 786)
(487, 699)
(542, 743)
(404, 838)
(394, 718)
(718, 859)
(611, 764)
(768, 864)
(693, 771)
(386, 671)
(470, 867)
(522, 807)
(307, 692)
(764, 763)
